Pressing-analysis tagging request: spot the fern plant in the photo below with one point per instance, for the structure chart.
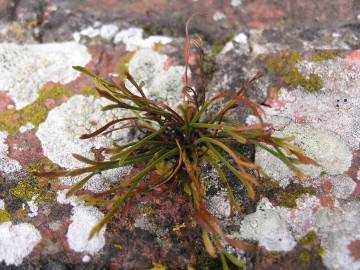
(176, 143)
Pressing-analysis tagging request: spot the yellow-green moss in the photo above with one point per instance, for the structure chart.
(313, 84)
(305, 256)
(283, 65)
(311, 240)
(286, 198)
(4, 216)
(30, 188)
(294, 191)
(276, 256)
(293, 77)
(322, 56)
(36, 112)
(43, 164)
(279, 64)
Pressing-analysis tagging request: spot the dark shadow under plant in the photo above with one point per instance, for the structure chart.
(176, 143)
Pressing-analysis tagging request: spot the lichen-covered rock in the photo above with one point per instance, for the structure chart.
(17, 241)
(332, 154)
(7, 165)
(62, 129)
(336, 227)
(26, 68)
(161, 83)
(309, 56)
(83, 219)
(268, 227)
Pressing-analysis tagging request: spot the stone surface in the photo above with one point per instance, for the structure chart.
(308, 52)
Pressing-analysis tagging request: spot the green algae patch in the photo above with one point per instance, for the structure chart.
(283, 65)
(4, 216)
(28, 189)
(323, 56)
(285, 197)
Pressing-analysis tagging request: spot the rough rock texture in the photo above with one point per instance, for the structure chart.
(308, 52)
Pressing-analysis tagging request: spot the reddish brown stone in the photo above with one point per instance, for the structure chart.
(354, 248)
(5, 101)
(327, 186)
(25, 148)
(327, 201)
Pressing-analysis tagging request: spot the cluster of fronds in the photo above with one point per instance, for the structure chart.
(176, 143)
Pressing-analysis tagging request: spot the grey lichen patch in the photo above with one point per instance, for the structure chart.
(17, 242)
(66, 123)
(327, 148)
(43, 63)
(161, 83)
(268, 227)
(336, 228)
(83, 219)
(133, 38)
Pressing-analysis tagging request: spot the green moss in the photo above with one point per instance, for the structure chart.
(286, 198)
(304, 256)
(283, 65)
(293, 77)
(43, 165)
(322, 56)
(313, 84)
(309, 239)
(279, 64)
(29, 188)
(276, 256)
(4, 216)
(292, 192)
